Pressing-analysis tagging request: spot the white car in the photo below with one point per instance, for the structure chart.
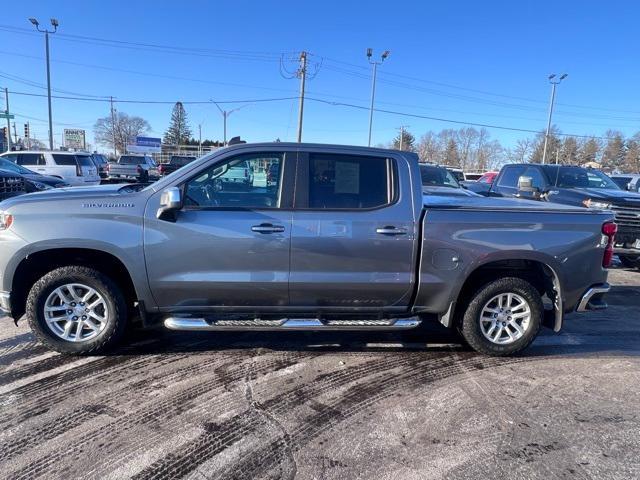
(74, 168)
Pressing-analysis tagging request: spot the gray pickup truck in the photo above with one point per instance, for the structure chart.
(137, 168)
(341, 239)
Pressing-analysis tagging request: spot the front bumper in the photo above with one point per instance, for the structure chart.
(593, 298)
(5, 304)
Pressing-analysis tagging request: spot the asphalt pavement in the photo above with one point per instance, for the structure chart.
(329, 406)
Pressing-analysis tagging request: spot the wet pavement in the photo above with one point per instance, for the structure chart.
(329, 406)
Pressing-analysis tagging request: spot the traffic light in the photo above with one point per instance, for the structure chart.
(26, 130)
(4, 132)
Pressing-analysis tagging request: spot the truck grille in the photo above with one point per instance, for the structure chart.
(11, 185)
(627, 218)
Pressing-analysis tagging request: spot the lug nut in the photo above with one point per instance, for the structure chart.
(75, 318)
(69, 312)
(84, 317)
(73, 304)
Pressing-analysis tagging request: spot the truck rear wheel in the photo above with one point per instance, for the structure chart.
(77, 310)
(503, 317)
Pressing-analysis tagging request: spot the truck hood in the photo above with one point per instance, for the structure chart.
(502, 204)
(619, 197)
(100, 192)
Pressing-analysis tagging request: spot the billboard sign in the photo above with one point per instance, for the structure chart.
(74, 139)
(145, 145)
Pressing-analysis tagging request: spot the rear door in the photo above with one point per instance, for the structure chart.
(229, 246)
(353, 234)
(32, 161)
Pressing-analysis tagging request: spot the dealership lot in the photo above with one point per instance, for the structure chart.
(270, 405)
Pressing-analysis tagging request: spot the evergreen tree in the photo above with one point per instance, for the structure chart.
(451, 156)
(407, 143)
(613, 155)
(179, 131)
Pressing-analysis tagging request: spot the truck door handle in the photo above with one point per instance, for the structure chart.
(267, 228)
(391, 230)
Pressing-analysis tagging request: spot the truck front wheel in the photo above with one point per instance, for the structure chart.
(503, 317)
(77, 310)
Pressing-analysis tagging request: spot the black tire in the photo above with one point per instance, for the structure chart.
(115, 324)
(630, 262)
(471, 329)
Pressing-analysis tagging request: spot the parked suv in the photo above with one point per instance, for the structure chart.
(72, 167)
(101, 163)
(576, 186)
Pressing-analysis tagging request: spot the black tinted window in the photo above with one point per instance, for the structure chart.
(130, 160)
(509, 177)
(67, 160)
(85, 161)
(30, 159)
(348, 181)
(537, 179)
(243, 182)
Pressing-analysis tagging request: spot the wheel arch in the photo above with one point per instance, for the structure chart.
(540, 273)
(37, 264)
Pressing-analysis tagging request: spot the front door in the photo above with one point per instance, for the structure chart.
(229, 245)
(354, 233)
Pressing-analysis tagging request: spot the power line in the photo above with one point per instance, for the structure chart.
(447, 120)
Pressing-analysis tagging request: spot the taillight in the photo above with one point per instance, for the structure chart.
(107, 167)
(139, 169)
(609, 230)
(161, 169)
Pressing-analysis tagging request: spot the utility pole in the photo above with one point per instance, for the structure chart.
(46, 32)
(6, 100)
(553, 97)
(113, 128)
(383, 57)
(199, 139)
(401, 128)
(15, 132)
(302, 73)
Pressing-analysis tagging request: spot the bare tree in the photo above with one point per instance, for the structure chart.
(466, 139)
(125, 129)
(429, 148)
(522, 150)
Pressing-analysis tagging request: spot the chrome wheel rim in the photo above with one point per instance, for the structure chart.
(505, 318)
(75, 312)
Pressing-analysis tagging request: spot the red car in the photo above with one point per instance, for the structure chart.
(488, 177)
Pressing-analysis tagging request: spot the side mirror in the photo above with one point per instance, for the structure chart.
(525, 185)
(170, 203)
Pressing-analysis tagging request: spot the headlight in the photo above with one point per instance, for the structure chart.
(41, 186)
(596, 204)
(6, 220)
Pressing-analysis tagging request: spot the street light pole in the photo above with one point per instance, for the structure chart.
(46, 32)
(374, 64)
(553, 97)
(225, 114)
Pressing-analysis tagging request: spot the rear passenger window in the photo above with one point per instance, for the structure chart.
(66, 160)
(348, 181)
(30, 159)
(510, 176)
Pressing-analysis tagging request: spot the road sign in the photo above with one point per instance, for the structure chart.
(146, 145)
(74, 139)
(8, 116)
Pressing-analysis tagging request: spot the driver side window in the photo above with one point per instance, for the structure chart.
(248, 181)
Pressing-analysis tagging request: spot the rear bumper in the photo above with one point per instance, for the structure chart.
(5, 304)
(593, 298)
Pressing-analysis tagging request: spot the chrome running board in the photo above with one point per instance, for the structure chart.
(200, 324)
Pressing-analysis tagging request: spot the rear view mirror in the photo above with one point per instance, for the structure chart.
(170, 203)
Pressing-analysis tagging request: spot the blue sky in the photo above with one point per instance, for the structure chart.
(470, 61)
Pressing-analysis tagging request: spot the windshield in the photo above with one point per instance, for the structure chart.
(572, 177)
(12, 167)
(433, 176)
